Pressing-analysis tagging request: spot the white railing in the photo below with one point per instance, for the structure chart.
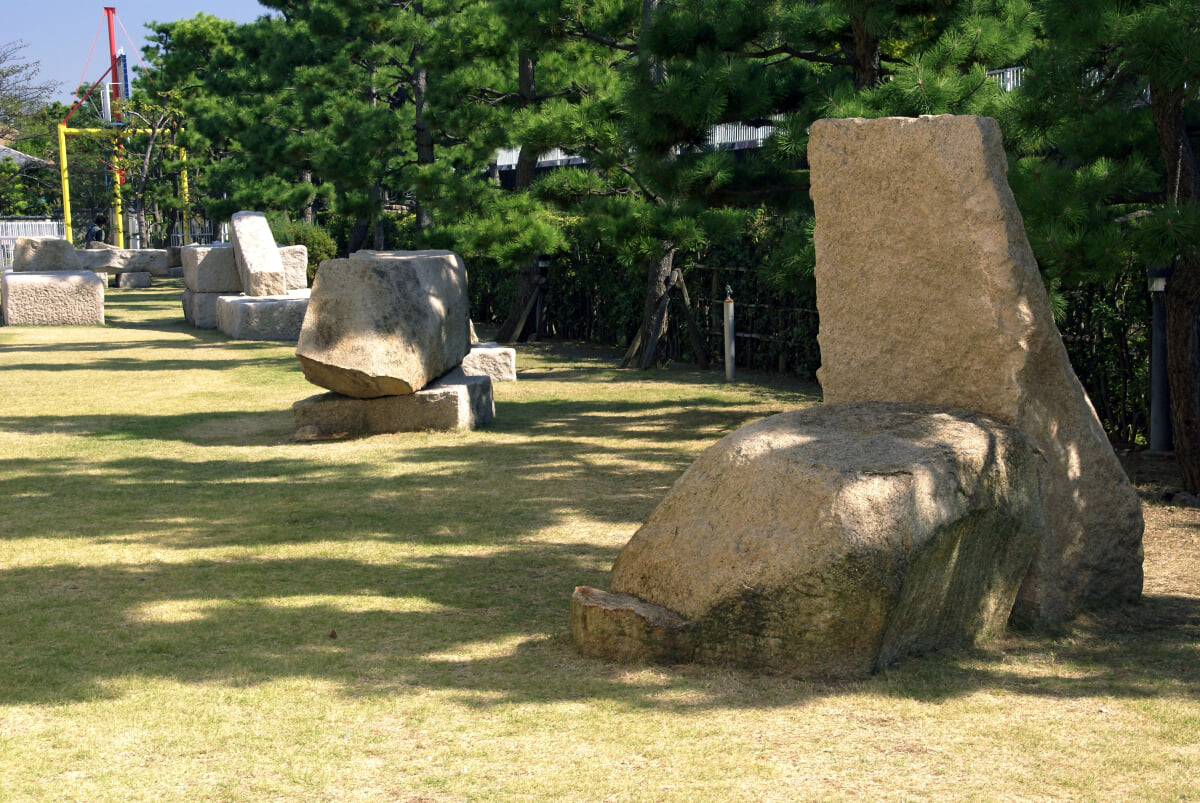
(12, 228)
(1009, 78)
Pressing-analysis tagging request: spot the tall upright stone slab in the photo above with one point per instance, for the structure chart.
(929, 293)
(385, 323)
(257, 255)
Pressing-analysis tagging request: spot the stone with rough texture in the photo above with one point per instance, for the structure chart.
(928, 292)
(210, 269)
(453, 402)
(125, 260)
(295, 266)
(262, 317)
(200, 309)
(835, 540)
(257, 255)
(624, 628)
(490, 359)
(52, 298)
(132, 279)
(41, 254)
(385, 323)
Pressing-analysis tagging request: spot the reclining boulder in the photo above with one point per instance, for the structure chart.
(385, 323)
(827, 542)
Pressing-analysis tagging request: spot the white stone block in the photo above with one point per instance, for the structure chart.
(210, 269)
(263, 317)
(53, 298)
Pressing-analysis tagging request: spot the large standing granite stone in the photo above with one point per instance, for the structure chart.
(452, 402)
(262, 317)
(928, 292)
(52, 298)
(40, 254)
(258, 260)
(210, 269)
(385, 323)
(832, 541)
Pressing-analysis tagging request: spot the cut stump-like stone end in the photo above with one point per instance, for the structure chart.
(621, 627)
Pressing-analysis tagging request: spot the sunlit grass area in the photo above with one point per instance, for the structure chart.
(193, 606)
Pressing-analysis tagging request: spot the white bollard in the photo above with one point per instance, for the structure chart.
(729, 335)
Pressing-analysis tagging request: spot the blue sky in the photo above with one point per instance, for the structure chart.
(59, 33)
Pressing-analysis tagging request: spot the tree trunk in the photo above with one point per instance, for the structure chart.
(358, 235)
(424, 137)
(1183, 289)
(654, 326)
(865, 54)
(526, 168)
(310, 212)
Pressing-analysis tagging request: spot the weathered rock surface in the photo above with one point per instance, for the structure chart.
(200, 309)
(928, 292)
(210, 269)
(385, 323)
(262, 317)
(41, 254)
(491, 359)
(295, 266)
(52, 298)
(624, 628)
(258, 261)
(125, 260)
(132, 279)
(453, 402)
(832, 541)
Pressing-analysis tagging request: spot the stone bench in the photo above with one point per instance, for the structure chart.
(453, 402)
(262, 317)
(52, 298)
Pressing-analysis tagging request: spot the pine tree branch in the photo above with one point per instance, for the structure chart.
(573, 27)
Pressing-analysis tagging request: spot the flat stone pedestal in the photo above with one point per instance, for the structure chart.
(56, 298)
(453, 402)
(262, 317)
(491, 359)
(131, 279)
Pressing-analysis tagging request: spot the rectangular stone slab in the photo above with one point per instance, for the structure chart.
(57, 298)
(210, 269)
(295, 266)
(453, 402)
(200, 309)
(132, 279)
(258, 261)
(489, 359)
(928, 292)
(262, 317)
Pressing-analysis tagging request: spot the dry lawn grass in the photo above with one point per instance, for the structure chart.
(173, 571)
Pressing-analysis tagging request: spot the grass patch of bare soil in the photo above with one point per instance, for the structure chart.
(194, 606)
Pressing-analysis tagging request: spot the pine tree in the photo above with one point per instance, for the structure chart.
(1109, 117)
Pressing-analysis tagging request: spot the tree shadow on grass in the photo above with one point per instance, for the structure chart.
(490, 627)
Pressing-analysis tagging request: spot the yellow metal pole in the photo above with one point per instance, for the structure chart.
(62, 173)
(183, 190)
(117, 207)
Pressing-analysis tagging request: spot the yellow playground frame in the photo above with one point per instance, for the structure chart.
(115, 132)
